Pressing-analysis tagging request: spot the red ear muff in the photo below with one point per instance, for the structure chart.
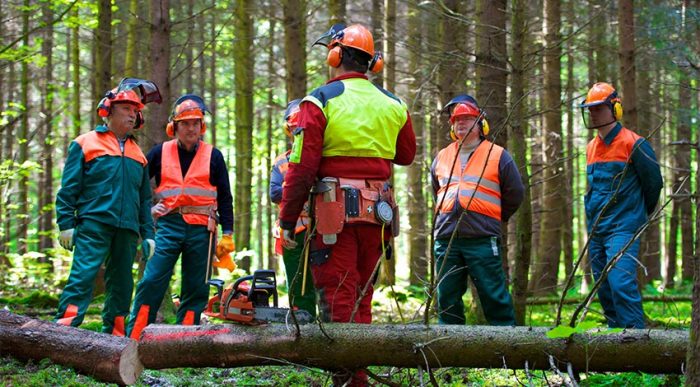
(204, 128)
(103, 108)
(170, 129)
(377, 63)
(138, 124)
(335, 56)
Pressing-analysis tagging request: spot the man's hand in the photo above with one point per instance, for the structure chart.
(225, 246)
(65, 239)
(288, 241)
(148, 247)
(159, 210)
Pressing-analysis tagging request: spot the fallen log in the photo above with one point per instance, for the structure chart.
(351, 346)
(555, 300)
(105, 357)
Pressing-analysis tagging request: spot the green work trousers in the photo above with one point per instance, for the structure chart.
(294, 266)
(95, 243)
(173, 238)
(480, 259)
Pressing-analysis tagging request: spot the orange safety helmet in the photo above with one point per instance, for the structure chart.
(291, 116)
(355, 36)
(602, 93)
(187, 107)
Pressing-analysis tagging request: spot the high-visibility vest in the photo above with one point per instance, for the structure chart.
(195, 192)
(475, 192)
(362, 119)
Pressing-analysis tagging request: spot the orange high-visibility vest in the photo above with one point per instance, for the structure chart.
(195, 191)
(481, 195)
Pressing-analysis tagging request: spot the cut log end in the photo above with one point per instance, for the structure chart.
(130, 366)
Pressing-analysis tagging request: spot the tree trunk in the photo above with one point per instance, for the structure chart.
(336, 347)
(130, 64)
(517, 134)
(103, 54)
(570, 200)
(693, 370)
(417, 219)
(270, 248)
(295, 47)
(672, 243)
(108, 358)
(244, 76)
(683, 158)
(160, 73)
(46, 223)
(75, 64)
(22, 214)
(378, 33)
(337, 10)
(625, 23)
(547, 268)
(212, 128)
(9, 140)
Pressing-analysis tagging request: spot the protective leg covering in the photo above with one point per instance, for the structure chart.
(294, 266)
(173, 237)
(480, 259)
(95, 242)
(342, 277)
(618, 294)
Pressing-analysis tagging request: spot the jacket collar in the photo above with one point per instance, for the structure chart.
(352, 74)
(612, 134)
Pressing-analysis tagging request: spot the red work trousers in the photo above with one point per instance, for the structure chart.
(341, 279)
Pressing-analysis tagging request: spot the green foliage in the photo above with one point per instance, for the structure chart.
(565, 331)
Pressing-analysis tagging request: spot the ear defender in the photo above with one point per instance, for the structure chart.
(170, 129)
(617, 109)
(138, 124)
(453, 136)
(204, 127)
(485, 127)
(335, 56)
(103, 108)
(377, 63)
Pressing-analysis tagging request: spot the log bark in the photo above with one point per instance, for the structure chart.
(336, 346)
(555, 300)
(105, 357)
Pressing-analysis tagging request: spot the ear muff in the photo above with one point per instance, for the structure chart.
(617, 110)
(170, 129)
(138, 124)
(204, 128)
(377, 63)
(103, 107)
(453, 136)
(485, 127)
(335, 56)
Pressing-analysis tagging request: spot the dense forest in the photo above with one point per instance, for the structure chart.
(529, 64)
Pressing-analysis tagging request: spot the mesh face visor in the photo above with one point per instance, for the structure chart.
(147, 90)
(325, 39)
(586, 113)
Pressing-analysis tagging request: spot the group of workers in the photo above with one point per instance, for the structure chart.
(337, 207)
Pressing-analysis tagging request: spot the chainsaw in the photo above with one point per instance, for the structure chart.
(247, 301)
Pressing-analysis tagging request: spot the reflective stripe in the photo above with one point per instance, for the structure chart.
(185, 191)
(483, 182)
(467, 193)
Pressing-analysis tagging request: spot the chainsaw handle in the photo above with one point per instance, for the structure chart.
(265, 280)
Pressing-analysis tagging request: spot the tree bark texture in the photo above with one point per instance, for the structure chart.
(335, 346)
(295, 47)
(628, 69)
(337, 10)
(517, 135)
(75, 74)
(548, 255)
(22, 214)
(683, 159)
(693, 371)
(244, 76)
(105, 357)
(157, 117)
(46, 223)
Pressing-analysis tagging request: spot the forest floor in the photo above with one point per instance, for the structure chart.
(41, 301)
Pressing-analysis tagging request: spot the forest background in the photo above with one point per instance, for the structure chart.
(528, 63)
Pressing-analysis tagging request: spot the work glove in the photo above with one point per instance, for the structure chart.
(225, 262)
(159, 210)
(288, 241)
(65, 239)
(148, 247)
(225, 246)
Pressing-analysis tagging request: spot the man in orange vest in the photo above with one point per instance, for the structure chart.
(476, 186)
(103, 207)
(293, 262)
(193, 191)
(624, 183)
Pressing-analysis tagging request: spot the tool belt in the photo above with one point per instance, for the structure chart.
(209, 211)
(338, 201)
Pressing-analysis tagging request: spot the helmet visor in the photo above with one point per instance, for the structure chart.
(325, 39)
(146, 89)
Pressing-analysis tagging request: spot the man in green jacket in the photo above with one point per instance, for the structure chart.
(103, 207)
